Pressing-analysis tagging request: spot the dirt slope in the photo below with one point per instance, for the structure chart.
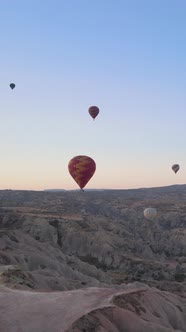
(92, 309)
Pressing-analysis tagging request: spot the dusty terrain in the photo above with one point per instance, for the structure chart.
(94, 246)
(132, 309)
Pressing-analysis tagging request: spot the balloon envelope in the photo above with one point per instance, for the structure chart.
(150, 213)
(93, 111)
(12, 85)
(175, 168)
(81, 168)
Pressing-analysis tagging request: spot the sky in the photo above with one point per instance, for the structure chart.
(128, 57)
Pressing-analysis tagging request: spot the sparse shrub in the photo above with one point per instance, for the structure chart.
(179, 277)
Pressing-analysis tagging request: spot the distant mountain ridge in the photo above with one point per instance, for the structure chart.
(162, 188)
(174, 186)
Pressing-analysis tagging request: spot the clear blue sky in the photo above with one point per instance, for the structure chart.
(128, 57)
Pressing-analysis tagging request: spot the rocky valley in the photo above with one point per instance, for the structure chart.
(82, 242)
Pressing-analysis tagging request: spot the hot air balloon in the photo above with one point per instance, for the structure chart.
(12, 85)
(175, 168)
(93, 111)
(150, 213)
(81, 168)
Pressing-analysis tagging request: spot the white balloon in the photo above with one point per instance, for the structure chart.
(150, 213)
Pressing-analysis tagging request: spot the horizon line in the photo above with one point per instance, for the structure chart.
(93, 189)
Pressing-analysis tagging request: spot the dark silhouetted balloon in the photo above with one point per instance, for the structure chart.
(175, 168)
(12, 85)
(93, 111)
(82, 168)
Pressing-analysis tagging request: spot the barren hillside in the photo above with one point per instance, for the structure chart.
(56, 241)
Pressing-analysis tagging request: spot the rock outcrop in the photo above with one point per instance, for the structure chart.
(132, 308)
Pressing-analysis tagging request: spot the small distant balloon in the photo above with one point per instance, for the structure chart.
(93, 111)
(12, 85)
(82, 168)
(150, 213)
(175, 168)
